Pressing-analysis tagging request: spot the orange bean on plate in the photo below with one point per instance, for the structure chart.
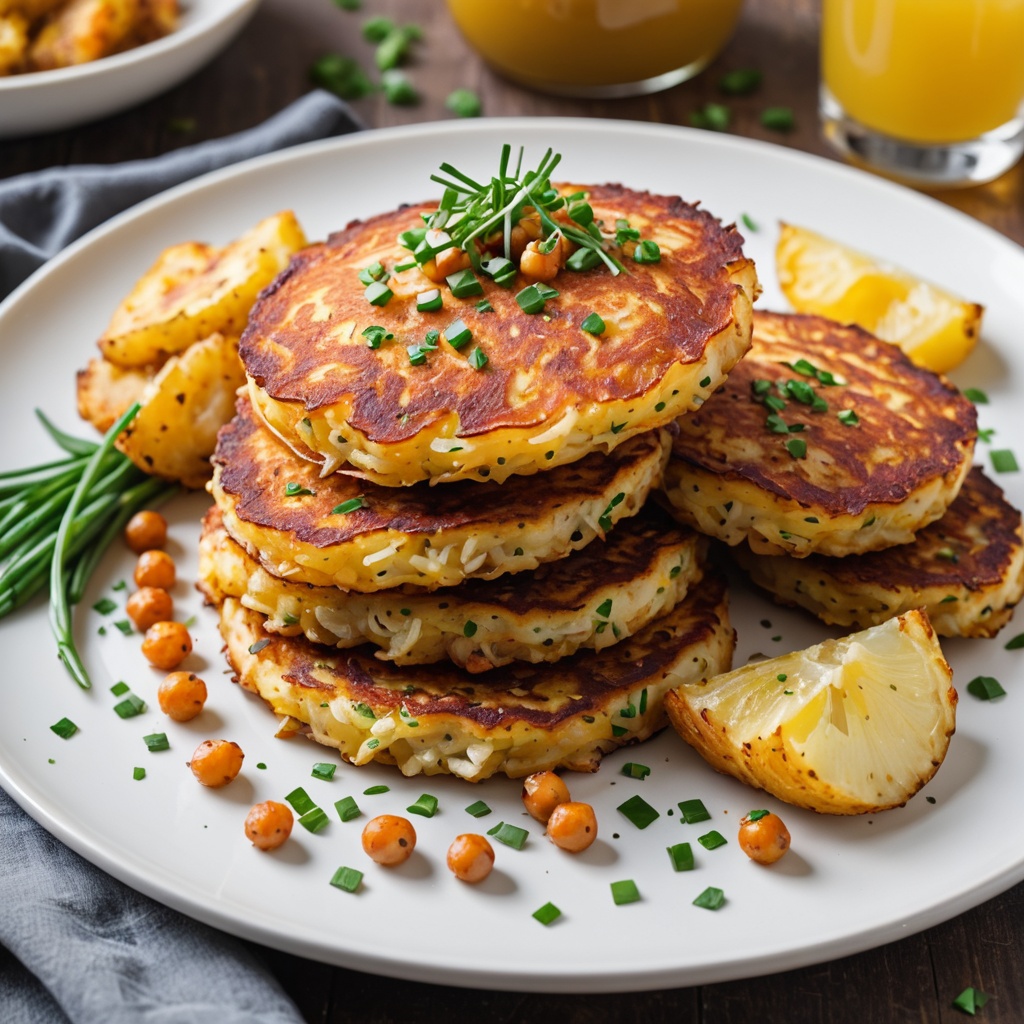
(542, 793)
(148, 606)
(145, 530)
(155, 569)
(763, 837)
(216, 762)
(269, 824)
(470, 857)
(167, 644)
(389, 839)
(182, 696)
(572, 826)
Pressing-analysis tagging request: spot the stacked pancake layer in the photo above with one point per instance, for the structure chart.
(532, 610)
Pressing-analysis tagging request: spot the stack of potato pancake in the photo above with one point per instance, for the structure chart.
(432, 543)
(840, 473)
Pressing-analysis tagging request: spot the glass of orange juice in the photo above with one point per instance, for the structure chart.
(597, 48)
(931, 91)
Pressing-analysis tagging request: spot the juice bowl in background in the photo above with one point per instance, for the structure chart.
(597, 48)
(931, 91)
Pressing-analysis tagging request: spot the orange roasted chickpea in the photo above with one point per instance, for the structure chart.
(182, 696)
(389, 839)
(166, 645)
(542, 793)
(269, 824)
(216, 762)
(155, 569)
(572, 826)
(470, 857)
(145, 530)
(763, 837)
(148, 606)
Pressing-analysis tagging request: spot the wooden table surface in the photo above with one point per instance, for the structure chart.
(912, 980)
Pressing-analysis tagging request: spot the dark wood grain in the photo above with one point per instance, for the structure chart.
(913, 981)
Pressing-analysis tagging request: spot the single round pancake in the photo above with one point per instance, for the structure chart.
(790, 462)
(966, 571)
(280, 510)
(519, 719)
(593, 598)
(550, 392)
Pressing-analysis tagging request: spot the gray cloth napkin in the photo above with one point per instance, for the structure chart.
(75, 944)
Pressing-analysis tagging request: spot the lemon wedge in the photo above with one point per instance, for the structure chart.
(937, 330)
(849, 726)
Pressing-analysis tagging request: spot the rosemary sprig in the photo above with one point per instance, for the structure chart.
(470, 209)
(58, 518)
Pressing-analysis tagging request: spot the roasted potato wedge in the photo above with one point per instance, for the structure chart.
(106, 390)
(195, 290)
(183, 407)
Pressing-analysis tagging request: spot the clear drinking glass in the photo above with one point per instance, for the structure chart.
(931, 91)
(597, 48)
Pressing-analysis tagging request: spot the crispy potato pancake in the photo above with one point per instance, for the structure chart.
(550, 392)
(593, 598)
(822, 439)
(433, 719)
(966, 570)
(343, 532)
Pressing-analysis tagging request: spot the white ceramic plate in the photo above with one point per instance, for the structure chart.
(846, 885)
(47, 101)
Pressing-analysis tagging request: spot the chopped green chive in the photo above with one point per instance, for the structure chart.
(464, 283)
(748, 222)
(593, 324)
(104, 606)
(65, 728)
(986, 434)
(341, 75)
(970, 1000)
(976, 395)
(713, 116)
(457, 334)
(546, 914)
(314, 820)
(294, 490)
(638, 811)
(778, 119)
(376, 790)
(156, 741)
(300, 801)
(124, 626)
(848, 418)
(797, 447)
(647, 252)
(1003, 461)
(464, 103)
(484, 306)
(130, 706)
(1016, 643)
(324, 770)
(376, 30)
(985, 688)
(398, 90)
(138, 774)
(119, 689)
(502, 270)
(740, 82)
(604, 609)
(378, 294)
(425, 806)
(347, 879)
(469, 629)
(478, 359)
(693, 811)
(429, 301)
(392, 49)
(758, 815)
(710, 899)
(258, 645)
(510, 835)
(681, 855)
(604, 520)
(531, 299)
(347, 808)
(584, 259)
(374, 272)
(348, 506)
(704, 382)
(478, 809)
(363, 709)
(712, 840)
(635, 771)
(625, 892)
